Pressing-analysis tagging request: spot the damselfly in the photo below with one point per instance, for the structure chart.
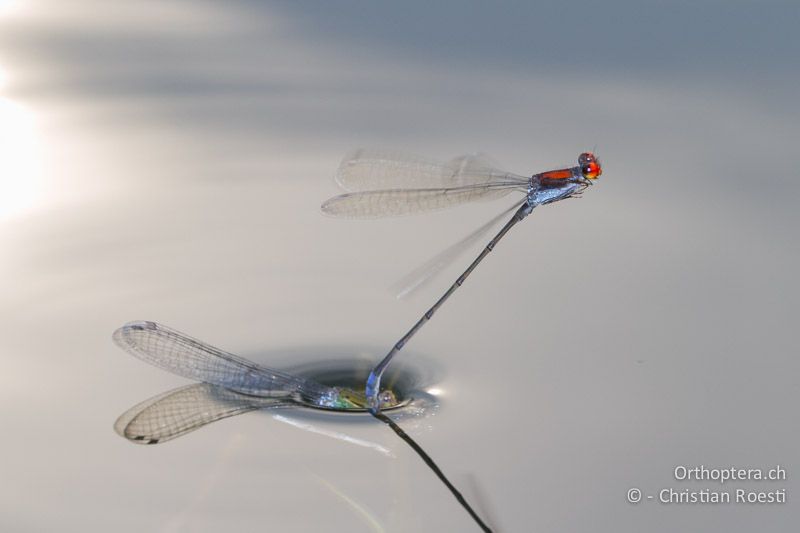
(380, 183)
(231, 385)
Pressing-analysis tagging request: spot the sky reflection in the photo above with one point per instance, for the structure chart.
(20, 157)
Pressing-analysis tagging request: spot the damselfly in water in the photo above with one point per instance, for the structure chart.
(231, 385)
(382, 183)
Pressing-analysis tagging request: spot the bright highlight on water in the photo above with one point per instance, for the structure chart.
(380, 183)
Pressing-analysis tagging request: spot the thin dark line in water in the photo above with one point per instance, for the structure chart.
(436, 470)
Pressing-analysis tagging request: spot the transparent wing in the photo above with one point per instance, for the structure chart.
(396, 202)
(372, 169)
(182, 410)
(420, 276)
(193, 359)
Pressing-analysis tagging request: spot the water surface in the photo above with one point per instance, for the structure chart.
(166, 161)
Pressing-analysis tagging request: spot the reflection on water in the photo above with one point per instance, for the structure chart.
(20, 157)
(9, 6)
(369, 519)
(334, 434)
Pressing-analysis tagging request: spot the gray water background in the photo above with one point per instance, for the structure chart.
(166, 161)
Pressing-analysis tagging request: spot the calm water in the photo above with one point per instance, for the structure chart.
(166, 161)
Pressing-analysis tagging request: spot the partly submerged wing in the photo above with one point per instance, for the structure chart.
(395, 202)
(372, 169)
(182, 410)
(182, 355)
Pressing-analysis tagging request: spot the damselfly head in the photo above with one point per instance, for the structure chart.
(590, 166)
(387, 399)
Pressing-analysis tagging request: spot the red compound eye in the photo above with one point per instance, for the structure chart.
(591, 170)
